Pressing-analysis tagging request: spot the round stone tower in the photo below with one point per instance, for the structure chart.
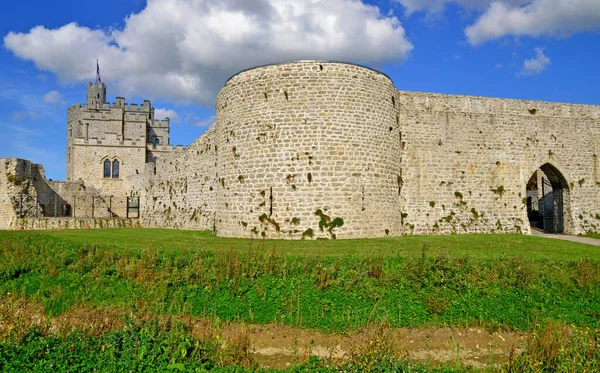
(308, 149)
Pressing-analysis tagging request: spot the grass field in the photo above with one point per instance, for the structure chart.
(498, 282)
(476, 246)
(594, 235)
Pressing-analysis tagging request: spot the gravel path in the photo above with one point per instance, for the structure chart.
(585, 240)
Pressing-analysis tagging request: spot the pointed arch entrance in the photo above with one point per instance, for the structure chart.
(548, 206)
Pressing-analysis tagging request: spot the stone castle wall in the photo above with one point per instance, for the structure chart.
(468, 159)
(331, 150)
(301, 139)
(180, 189)
(297, 145)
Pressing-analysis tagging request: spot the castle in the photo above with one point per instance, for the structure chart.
(108, 144)
(315, 149)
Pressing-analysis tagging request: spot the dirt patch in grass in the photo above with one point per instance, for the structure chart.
(279, 346)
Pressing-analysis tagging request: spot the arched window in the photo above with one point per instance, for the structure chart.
(115, 169)
(156, 141)
(107, 168)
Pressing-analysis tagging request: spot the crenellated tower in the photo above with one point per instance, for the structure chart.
(108, 145)
(96, 94)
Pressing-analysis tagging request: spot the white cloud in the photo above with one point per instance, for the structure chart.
(539, 17)
(23, 115)
(184, 50)
(161, 114)
(52, 97)
(535, 65)
(500, 18)
(206, 122)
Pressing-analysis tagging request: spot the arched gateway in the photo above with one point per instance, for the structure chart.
(548, 197)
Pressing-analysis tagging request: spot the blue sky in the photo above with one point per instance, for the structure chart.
(178, 53)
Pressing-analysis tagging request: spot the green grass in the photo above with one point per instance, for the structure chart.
(594, 235)
(154, 347)
(498, 282)
(476, 246)
(414, 287)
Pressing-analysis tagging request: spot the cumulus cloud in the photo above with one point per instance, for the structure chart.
(535, 65)
(500, 18)
(161, 114)
(52, 97)
(539, 17)
(184, 50)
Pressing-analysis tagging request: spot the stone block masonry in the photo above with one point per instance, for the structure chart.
(315, 149)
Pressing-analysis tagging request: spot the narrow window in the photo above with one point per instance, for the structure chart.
(87, 131)
(107, 168)
(271, 203)
(70, 132)
(98, 95)
(115, 169)
(156, 141)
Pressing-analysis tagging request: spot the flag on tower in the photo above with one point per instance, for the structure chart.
(98, 73)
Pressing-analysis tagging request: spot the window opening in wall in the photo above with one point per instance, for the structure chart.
(156, 141)
(70, 132)
(87, 131)
(321, 67)
(595, 157)
(271, 203)
(393, 101)
(98, 95)
(363, 198)
(107, 168)
(115, 169)
(154, 169)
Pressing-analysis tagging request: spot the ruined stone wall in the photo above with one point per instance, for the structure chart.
(28, 198)
(17, 193)
(467, 161)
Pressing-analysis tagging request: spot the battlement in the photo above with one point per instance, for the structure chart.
(144, 108)
(96, 84)
(164, 148)
(96, 99)
(160, 123)
(437, 102)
